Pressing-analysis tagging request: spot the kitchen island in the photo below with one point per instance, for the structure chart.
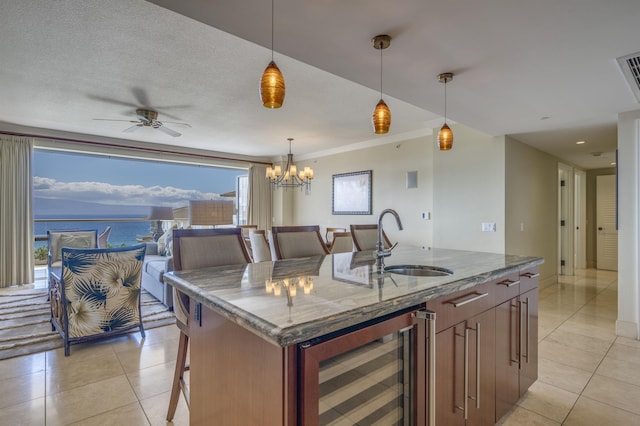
(273, 342)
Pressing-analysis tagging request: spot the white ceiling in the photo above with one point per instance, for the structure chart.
(66, 62)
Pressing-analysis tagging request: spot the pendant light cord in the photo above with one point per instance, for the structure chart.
(445, 101)
(272, 8)
(381, 44)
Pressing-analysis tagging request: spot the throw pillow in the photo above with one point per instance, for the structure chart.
(162, 248)
(169, 245)
(75, 241)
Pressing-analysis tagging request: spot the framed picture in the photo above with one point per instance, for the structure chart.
(352, 193)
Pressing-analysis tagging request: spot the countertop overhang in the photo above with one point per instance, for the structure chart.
(346, 290)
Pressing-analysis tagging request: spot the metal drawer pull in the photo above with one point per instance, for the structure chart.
(519, 334)
(477, 365)
(432, 369)
(526, 318)
(530, 275)
(516, 336)
(475, 296)
(466, 373)
(509, 283)
(430, 318)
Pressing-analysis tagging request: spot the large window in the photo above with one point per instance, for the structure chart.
(88, 187)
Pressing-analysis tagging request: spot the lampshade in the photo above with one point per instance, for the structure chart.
(381, 118)
(445, 138)
(181, 213)
(272, 86)
(211, 212)
(161, 213)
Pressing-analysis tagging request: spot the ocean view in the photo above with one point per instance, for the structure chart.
(121, 232)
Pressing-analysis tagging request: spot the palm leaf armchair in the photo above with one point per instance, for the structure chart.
(97, 293)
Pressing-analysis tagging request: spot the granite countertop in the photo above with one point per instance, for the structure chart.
(343, 289)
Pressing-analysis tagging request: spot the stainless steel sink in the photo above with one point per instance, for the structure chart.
(418, 270)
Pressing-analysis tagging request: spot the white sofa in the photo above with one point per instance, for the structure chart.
(153, 270)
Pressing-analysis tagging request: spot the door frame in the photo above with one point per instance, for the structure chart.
(580, 219)
(565, 212)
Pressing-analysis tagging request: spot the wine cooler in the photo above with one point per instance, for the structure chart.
(378, 374)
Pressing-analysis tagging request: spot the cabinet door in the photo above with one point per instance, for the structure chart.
(482, 368)
(507, 356)
(465, 382)
(529, 339)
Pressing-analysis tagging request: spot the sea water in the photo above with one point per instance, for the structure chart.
(123, 233)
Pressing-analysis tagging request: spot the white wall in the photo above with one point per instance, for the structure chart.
(390, 164)
(531, 204)
(469, 189)
(628, 231)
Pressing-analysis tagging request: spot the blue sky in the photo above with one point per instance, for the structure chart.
(116, 180)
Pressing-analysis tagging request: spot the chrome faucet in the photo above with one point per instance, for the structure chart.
(381, 252)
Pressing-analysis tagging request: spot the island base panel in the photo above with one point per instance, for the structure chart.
(236, 377)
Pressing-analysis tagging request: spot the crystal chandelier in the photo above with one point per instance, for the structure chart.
(292, 177)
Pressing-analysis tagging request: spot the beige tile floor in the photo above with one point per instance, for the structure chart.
(587, 376)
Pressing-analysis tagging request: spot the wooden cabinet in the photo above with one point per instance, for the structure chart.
(486, 357)
(236, 377)
(517, 343)
(465, 378)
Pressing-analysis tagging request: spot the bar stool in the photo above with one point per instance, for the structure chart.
(194, 249)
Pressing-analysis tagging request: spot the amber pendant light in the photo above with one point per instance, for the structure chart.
(382, 113)
(445, 135)
(272, 82)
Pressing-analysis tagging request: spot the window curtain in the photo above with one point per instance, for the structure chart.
(16, 211)
(260, 197)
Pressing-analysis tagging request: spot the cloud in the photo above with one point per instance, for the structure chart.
(106, 193)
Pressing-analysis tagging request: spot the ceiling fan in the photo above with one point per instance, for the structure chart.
(148, 118)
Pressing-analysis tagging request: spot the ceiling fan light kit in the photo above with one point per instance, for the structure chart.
(381, 114)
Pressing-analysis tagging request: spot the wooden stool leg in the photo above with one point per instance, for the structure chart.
(181, 361)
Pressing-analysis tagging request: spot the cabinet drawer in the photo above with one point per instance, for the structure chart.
(507, 288)
(528, 279)
(453, 308)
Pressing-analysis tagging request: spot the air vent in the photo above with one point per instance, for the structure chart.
(630, 66)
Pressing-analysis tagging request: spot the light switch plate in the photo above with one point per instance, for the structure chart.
(488, 227)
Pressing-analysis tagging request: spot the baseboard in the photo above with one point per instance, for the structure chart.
(546, 282)
(627, 329)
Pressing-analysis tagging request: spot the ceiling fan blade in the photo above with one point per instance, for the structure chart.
(168, 131)
(132, 128)
(142, 118)
(111, 119)
(111, 100)
(178, 124)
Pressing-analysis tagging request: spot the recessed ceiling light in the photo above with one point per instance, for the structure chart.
(580, 142)
(613, 163)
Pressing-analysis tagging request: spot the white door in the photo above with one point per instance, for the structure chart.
(607, 239)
